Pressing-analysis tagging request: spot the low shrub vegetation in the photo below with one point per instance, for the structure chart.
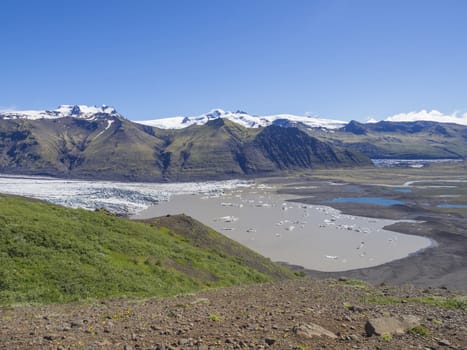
(52, 254)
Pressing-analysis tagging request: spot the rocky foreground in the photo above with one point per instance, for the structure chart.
(303, 314)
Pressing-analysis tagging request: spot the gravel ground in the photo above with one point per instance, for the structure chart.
(265, 316)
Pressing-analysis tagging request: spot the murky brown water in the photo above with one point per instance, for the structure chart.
(315, 237)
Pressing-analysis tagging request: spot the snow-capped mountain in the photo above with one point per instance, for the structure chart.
(76, 111)
(239, 117)
(243, 119)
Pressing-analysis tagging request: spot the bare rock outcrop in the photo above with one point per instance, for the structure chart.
(391, 325)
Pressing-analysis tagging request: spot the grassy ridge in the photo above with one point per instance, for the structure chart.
(54, 254)
(205, 237)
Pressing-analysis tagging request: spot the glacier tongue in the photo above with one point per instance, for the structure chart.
(124, 198)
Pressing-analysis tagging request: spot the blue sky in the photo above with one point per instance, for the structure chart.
(149, 59)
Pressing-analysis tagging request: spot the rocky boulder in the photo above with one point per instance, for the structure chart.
(312, 330)
(391, 325)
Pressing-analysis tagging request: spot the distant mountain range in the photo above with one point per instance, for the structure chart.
(98, 142)
(255, 121)
(92, 142)
(244, 119)
(400, 140)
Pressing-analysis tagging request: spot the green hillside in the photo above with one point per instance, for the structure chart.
(208, 151)
(54, 254)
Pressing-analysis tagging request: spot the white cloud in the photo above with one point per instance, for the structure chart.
(433, 115)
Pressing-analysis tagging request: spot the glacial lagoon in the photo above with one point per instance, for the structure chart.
(313, 236)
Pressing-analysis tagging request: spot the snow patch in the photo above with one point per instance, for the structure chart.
(109, 124)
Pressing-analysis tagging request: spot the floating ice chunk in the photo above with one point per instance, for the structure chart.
(263, 186)
(334, 257)
(264, 205)
(228, 218)
(282, 222)
(290, 228)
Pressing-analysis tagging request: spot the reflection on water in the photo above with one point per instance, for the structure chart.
(316, 237)
(452, 206)
(403, 190)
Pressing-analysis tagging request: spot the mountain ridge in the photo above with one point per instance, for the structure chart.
(403, 140)
(114, 148)
(97, 142)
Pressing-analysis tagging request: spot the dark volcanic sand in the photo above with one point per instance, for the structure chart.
(442, 266)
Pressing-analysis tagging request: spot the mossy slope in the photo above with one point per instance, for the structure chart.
(205, 237)
(54, 254)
